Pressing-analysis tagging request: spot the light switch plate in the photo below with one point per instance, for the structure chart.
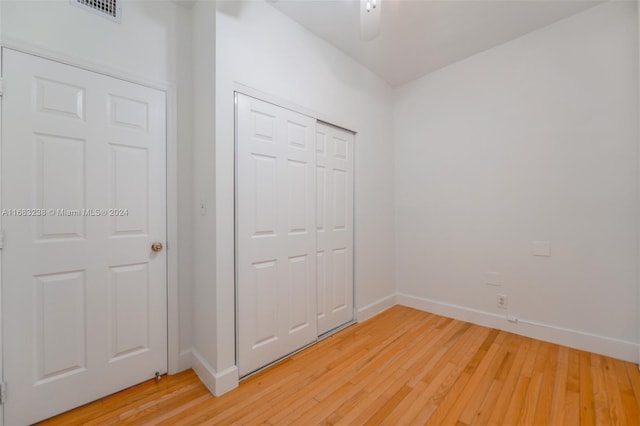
(493, 278)
(541, 248)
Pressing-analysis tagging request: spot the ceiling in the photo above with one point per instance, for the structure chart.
(420, 36)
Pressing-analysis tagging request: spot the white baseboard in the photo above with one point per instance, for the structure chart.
(376, 308)
(603, 345)
(218, 383)
(227, 380)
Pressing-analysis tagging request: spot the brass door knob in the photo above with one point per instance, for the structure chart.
(156, 247)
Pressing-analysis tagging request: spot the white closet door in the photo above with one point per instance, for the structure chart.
(334, 183)
(276, 238)
(84, 296)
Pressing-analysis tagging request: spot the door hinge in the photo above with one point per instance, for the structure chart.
(1, 86)
(1, 240)
(3, 393)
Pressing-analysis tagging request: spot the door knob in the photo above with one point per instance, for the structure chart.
(156, 247)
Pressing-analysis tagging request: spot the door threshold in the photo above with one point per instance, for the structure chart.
(336, 330)
(277, 361)
(289, 355)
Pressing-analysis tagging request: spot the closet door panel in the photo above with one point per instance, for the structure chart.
(334, 165)
(276, 238)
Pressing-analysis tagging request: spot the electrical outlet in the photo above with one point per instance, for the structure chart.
(502, 301)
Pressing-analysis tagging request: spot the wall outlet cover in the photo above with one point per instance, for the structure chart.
(493, 278)
(502, 301)
(541, 248)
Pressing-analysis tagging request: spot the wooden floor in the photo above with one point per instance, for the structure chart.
(402, 367)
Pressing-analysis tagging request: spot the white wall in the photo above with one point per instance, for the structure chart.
(536, 139)
(259, 47)
(144, 44)
(186, 205)
(152, 44)
(203, 226)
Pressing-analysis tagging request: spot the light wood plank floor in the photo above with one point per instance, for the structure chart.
(401, 367)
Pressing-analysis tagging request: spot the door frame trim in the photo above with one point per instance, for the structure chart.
(1, 313)
(170, 90)
(104, 69)
(241, 89)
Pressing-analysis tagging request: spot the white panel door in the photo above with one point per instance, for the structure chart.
(334, 183)
(83, 198)
(276, 239)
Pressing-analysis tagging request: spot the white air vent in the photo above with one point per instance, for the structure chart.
(110, 9)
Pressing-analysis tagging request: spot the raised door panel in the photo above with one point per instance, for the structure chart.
(129, 190)
(61, 325)
(59, 98)
(264, 303)
(264, 179)
(297, 197)
(340, 199)
(321, 285)
(129, 113)
(129, 311)
(340, 280)
(60, 185)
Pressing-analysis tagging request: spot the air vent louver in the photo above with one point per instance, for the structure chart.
(110, 9)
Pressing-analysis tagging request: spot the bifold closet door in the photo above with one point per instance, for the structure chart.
(334, 222)
(276, 232)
